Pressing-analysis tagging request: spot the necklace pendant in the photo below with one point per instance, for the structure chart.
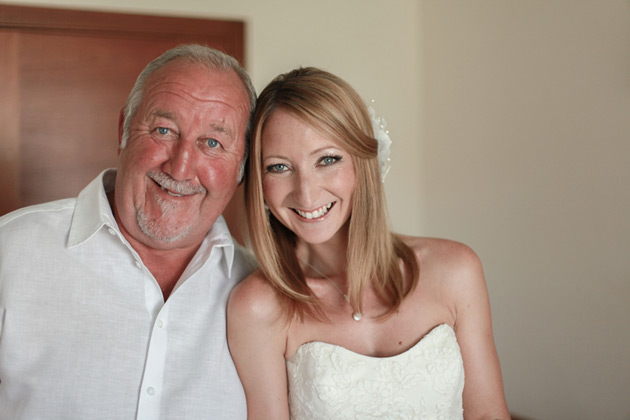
(357, 316)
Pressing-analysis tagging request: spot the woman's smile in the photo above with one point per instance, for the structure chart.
(315, 214)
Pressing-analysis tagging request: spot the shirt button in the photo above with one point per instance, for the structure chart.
(138, 264)
(151, 390)
(160, 323)
(111, 231)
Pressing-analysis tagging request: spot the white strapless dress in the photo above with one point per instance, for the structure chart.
(329, 382)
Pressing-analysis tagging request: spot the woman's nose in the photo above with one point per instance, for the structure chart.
(306, 189)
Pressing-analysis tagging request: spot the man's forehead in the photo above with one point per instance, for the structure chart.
(200, 82)
(200, 74)
(220, 90)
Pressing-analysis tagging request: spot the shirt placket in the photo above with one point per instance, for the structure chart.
(152, 388)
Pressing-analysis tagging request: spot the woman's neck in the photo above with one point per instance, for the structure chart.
(329, 258)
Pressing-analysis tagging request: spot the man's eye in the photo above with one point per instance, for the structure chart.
(163, 131)
(213, 143)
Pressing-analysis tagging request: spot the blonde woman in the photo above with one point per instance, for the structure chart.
(344, 319)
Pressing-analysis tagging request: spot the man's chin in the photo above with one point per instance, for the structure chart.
(163, 233)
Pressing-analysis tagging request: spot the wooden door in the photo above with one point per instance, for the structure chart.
(64, 77)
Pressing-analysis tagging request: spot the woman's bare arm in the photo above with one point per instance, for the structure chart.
(483, 390)
(257, 340)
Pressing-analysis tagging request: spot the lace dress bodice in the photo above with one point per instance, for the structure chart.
(327, 381)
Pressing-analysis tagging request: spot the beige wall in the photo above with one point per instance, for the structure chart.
(511, 128)
(526, 141)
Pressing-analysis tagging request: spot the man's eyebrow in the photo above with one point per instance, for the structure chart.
(164, 114)
(213, 127)
(222, 129)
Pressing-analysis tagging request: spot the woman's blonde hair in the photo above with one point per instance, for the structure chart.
(330, 105)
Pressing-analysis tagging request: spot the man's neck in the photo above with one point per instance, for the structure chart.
(166, 265)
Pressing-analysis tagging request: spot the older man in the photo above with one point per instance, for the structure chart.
(112, 305)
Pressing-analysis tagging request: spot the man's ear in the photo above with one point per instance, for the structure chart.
(121, 121)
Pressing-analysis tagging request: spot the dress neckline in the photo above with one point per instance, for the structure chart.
(434, 331)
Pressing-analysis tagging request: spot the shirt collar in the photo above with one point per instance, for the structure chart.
(219, 237)
(92, 212)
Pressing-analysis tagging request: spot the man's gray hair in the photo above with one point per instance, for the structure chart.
(196, 54)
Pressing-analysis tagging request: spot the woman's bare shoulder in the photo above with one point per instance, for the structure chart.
(442, 251)
(449, 265)
(451, 275)
(255, 298)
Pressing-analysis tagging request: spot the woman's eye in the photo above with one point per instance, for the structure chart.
(329, 160)
(213, 143)
(277, 168)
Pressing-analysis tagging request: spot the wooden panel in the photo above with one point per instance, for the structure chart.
(225, 35)
(64, 77)
(10, 123)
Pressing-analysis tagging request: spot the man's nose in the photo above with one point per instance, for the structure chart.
(181, 164)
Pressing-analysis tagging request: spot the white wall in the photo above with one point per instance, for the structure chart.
(510, 123)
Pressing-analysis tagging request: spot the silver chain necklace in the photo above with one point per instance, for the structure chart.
(356, 315)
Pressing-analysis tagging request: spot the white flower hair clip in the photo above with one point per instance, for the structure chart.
(381, 134)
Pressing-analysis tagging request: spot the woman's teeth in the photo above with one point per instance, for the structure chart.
(316, 213)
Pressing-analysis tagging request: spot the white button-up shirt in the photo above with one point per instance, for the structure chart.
(84, 329)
